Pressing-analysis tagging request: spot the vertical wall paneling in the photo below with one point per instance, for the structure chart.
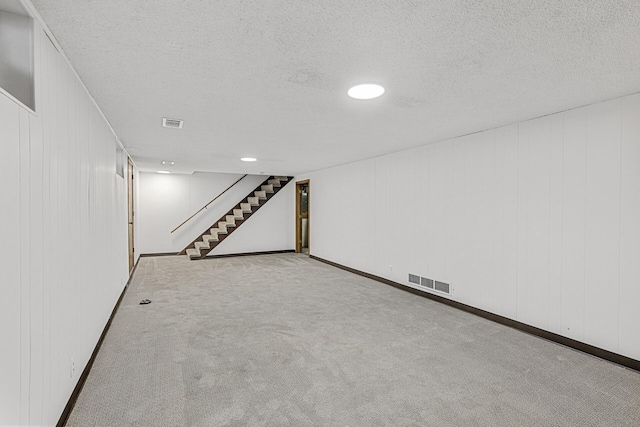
(51, 141)
(523, 218)
(509, 228)
(467, 213)
(24, 253)
(381, 187)
(485, 230)
(629, 298)
(52, 157)
(537, 211)
(75, 191)
(390, 237)
(369, 224)
(573, 222)
(602, 249)
(457, 215)
(36, 258)
(556, 160)
(536, 221)
(10, 303)
(438, 207)
(33, 164)
(498, 221)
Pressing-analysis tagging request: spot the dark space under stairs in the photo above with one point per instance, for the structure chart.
(233, 219)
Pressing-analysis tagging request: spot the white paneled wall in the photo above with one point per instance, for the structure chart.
(64, 240)
(538, 221)
(165, 201)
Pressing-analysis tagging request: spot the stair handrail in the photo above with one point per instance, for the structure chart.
(212, 200)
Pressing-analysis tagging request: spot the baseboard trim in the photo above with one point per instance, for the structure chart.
(619, 359)
(159, 254)
(284, 251)
(85, 373)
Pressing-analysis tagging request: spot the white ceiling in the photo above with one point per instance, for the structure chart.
(268, 79)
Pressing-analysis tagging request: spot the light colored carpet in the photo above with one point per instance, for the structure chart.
(283, 340)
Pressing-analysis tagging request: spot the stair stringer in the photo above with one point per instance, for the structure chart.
(199, 248)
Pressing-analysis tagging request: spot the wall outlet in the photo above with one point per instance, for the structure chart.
(72, 366)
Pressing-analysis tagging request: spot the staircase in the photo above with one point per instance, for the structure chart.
(233, 219)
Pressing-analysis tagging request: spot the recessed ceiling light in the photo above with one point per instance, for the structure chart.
(168, 162)
(248, 159)
(164, 172)
(366, 91)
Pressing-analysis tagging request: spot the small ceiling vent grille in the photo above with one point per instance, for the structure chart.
(172, 123)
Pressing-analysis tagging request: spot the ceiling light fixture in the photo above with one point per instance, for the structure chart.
(168, 162)
(248, 159)
(365, 91)
(164, 172)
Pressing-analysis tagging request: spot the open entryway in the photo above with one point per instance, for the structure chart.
(302, 216)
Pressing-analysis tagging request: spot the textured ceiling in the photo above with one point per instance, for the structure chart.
(268, 79)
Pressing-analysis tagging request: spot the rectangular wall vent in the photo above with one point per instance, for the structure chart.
(172, 123)
(442, 287)
(427, 283)
(414, 279)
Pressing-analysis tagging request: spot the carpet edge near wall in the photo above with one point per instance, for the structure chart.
(619, 359)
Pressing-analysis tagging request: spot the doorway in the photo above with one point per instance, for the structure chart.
(302, 217)
(130, 211)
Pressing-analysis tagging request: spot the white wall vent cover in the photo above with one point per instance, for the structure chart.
(427, 283)
(442, 287)
(430, 284)
(414, 279)
(172, 123)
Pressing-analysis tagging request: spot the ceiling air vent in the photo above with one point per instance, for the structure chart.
(172, 123)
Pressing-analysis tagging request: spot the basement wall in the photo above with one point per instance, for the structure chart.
(165, 201)
(538, 221)
(63, 255)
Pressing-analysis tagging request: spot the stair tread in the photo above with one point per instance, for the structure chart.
(237, 216)
(193, 253)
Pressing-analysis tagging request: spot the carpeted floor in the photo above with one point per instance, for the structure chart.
(283, 340)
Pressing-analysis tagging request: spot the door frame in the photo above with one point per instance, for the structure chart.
(297, 215)
(130, 214)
